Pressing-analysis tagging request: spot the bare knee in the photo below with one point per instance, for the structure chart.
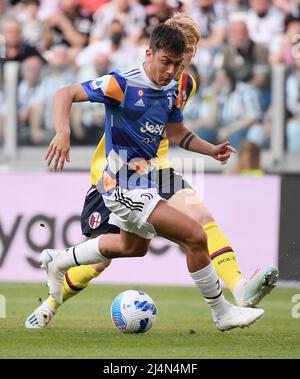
(100, 267)
(202, 214)
(197, 239)
(189, 202)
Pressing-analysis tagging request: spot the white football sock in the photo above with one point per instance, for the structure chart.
(208, 283)
(83, 254)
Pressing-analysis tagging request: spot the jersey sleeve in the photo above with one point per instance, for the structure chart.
(190, 90)
(108, 89)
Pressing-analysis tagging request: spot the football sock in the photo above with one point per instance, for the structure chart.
(52, 304)
(222, 256)
(208, 283)
(82, 254)
(76, 279)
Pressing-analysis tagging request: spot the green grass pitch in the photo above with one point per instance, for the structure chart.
(183, 329)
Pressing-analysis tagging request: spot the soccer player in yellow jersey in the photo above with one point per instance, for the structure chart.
(95, 215)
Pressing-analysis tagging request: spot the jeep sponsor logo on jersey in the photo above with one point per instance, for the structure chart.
(155, 129)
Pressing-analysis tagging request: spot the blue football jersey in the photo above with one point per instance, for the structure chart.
(137, 111)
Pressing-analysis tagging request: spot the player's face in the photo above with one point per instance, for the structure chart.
(162, 66)
(189, 55)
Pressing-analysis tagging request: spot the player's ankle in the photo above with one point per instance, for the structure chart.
(220, 308)
(51, 305)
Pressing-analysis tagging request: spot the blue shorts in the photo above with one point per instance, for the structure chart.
(95, 215)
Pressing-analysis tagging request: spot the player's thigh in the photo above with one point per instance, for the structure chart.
(181, 195)
(188, 201)
(134, 245)
(175, 225)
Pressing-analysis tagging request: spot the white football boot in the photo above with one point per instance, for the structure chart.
(237, 317)
(50, 262)
(250, 293)
(40, 317)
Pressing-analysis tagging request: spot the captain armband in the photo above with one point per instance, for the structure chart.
(186, 140)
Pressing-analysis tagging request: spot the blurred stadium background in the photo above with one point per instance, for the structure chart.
(248, 72)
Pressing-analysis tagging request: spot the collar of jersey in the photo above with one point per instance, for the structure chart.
(150, 83)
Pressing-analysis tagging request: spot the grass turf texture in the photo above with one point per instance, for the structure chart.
(183, 329)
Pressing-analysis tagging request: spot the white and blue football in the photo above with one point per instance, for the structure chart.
(133, 312)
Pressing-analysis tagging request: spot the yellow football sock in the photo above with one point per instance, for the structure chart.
(222, 255)
(76, 279)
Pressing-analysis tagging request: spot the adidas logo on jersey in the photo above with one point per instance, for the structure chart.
(140, 103)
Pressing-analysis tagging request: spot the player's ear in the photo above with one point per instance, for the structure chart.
(149, 55)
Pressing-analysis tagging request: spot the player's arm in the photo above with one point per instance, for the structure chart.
(62, 102)
(178, 134)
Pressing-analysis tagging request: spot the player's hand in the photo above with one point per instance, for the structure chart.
(222, 152)
(58, 151)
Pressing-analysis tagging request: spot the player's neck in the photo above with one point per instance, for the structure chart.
(148, 73)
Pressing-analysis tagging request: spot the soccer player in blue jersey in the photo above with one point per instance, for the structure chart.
(140, 108)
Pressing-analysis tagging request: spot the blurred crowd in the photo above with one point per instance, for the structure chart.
(59, 42)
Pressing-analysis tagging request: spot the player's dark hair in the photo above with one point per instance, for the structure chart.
(168, 38)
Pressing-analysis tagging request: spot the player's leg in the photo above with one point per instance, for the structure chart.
(181, 196)
(178, 227)
(77, 279)
(57, 262)
(112, 245)
(186, 231)
(246, 292)
(169, 223)
(94, 222)
(220, 250)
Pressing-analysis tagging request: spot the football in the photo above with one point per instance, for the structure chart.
(133, 312)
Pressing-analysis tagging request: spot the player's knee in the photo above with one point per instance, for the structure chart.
(197, 238)
(204, 216)
(99, 267)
